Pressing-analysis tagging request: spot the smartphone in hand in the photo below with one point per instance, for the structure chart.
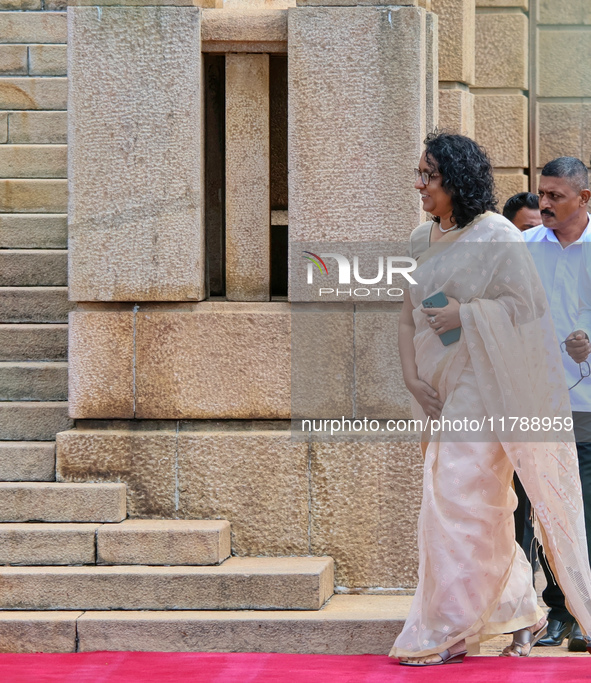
(439, 300)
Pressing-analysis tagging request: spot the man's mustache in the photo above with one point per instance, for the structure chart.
(545, 212)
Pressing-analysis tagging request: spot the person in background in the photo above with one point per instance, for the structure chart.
(523, 211)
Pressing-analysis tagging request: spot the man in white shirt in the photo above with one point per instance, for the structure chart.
(557, 248)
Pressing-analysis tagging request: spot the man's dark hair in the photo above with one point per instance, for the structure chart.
(568, 167)
(519, 201)
(466, 175)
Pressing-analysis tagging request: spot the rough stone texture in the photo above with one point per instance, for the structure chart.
(32, 342)
(33, 231)
(27, 461)
(357, 108)
(501, 51)
(244, 29)
(456, 111)
(258, 4)
(101, 356)
(322, 346)
(564, 129)
(32, 421)
(431, 71)
(34, 304)
(47, 127)
(48, 60)
(456, 39)
(239, 583)
(13, 60)
(508, 184)
(33, 196)
(46, 27)
(144, 460)
(520, 4)
(56, 5)
(25, 631)
(166, 542)
(140, 238)
(347, 624)
(573, 12)
(31, 544)
(258, 480)
(563, 56)
(20, 4)
(3, 127)
(147, 3)
(501, 128)
(33, 267)
(33, 93)
(248, 232)
(352, 3)
(365, 500)
(33, 381)
(220, 360)
(379, 387)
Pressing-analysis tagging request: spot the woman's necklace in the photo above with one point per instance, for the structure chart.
(453, 227)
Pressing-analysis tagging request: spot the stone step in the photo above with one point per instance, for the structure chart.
(345, 625)
(164, 542)
(47, 544)
(33, 342)
(33, 267)
(27, 461)
(33, 421)
(33, 230)
(34, 305)
(57, 502)
(239, 583)
(34, 381)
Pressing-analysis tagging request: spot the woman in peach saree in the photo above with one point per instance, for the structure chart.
(474, 579)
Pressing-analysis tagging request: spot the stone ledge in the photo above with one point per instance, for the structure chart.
(35, 631)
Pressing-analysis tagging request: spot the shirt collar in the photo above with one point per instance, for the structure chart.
(549, 235)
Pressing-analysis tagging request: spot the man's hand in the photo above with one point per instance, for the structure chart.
(578, 346)
(444, 319)
(426, 397)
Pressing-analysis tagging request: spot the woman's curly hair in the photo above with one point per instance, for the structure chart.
(466, 175)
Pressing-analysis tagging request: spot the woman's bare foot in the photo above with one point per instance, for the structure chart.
(523, 642)
(433, 659)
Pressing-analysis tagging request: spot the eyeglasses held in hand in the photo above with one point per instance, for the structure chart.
(584, 367)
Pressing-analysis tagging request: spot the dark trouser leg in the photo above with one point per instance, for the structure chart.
(524, 530)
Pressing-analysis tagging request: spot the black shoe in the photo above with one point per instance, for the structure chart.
(557, 632)
(577, 641)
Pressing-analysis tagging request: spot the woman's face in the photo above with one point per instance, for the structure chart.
(436, 200)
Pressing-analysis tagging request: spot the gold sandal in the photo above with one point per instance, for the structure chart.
(522, 638)
(446, 658)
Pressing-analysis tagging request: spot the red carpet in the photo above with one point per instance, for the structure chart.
(147, 667)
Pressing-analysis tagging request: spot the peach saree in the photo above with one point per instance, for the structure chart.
(474, 580)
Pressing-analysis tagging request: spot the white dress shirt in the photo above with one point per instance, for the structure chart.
(564, 272)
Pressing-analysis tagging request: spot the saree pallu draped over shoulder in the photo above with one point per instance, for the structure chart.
(474, 579)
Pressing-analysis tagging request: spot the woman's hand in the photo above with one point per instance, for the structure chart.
(444, 319)
(426, 397)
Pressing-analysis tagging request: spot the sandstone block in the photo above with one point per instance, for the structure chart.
(27, 461)
(46, 27)
(561, 71)
(432, 71)
(101, 354)
(357, 113)
(143, 459)
(34, 304)
(58, 502)
(243, 28)
(33, 267)
(368, 519)
(239, 583)
(456, 111)
(141, 237)
(501, 128)
(47, 127)
(148, 3)
(165, 542)
(33, 93)
(56, 5)
(33, 381)
(47, 544)
(13, 60)
(33, 231)
(3, 127)
(456, 39)
(574, 12)
(25, 631)
(33, 196)
(508, 184)
(20, 4)
(375, 621)
(48, 60)
(501, 51)
(248, 234)
(32, 421)
(352, 3)
(258, 4)
(31, 342)
(264, 491)
(187, 361)
(521, 4)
